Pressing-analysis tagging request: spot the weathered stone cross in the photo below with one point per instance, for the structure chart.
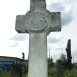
(38, 22)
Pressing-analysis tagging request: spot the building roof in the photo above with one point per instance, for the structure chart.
(10, 57)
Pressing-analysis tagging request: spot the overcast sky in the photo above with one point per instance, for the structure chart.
(13, 44)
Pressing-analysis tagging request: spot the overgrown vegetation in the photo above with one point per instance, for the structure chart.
(8, 74)
(52, 72)
(66, 72)
(52, 69)
(5, 73)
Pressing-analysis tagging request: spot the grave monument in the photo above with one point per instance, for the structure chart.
(59, 68)
(38, 22)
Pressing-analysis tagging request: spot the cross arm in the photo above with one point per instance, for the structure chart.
(56, 21)
(19, 26)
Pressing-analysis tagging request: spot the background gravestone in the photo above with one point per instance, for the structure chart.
(59, 68)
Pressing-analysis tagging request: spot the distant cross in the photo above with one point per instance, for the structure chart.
(38, 22)
(23, 56)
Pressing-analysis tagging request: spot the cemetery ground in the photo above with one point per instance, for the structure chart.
(52, 72)
(62, 70)
(52, 69)
(8, 74)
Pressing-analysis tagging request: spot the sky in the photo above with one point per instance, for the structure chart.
(13, 44)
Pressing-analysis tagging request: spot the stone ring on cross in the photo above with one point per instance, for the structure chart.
(35, 21)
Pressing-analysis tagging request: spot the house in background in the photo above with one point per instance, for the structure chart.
(6, 62)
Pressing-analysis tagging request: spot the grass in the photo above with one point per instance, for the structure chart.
(70, 73)
(5, 74)
(52, 72)
(8, 74)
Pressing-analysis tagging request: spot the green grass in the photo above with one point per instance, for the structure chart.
(70, 73)
(5, 74)
(52, 72)
(8, 74)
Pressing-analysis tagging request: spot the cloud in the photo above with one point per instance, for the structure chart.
(65, 9)
(59, 49)
(74, 53)
(14, 45)
(55, 37)
(56, 6)
(67, 15)
(19, 37)
(53, 40)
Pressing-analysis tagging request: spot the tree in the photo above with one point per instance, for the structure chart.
(50, 62)
(63, 57)
(64, 60)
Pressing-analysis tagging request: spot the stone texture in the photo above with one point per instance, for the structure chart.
(38, 55)
(38, 22)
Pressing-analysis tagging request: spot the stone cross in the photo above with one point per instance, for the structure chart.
(38, 22)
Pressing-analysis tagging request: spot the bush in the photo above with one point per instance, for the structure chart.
(70, 73)
(52, 72)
